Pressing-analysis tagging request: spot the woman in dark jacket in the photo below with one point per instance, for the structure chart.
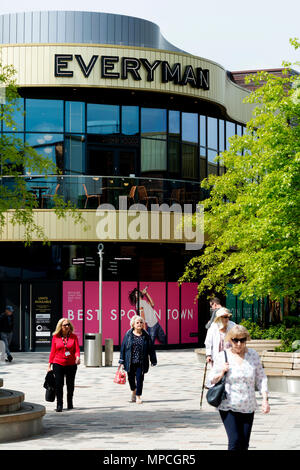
(136, 349)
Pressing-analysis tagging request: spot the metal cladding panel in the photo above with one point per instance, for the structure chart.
(65, 27)
(38, 71)
(28, 30)
(65, 229)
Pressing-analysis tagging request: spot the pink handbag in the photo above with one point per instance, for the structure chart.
(120, 377)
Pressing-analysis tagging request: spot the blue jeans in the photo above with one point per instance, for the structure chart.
(156, 331)
(238, 428)
(136, 378)
(6, 337)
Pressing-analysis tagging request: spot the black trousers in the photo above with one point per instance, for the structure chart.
(136, 378)
(238, 428)
(60, 372)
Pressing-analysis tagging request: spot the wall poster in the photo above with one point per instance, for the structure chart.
(170, 311)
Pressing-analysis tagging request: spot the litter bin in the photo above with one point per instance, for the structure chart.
(93, 349)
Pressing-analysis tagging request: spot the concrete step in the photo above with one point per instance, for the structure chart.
(10, 401)
(25, 422)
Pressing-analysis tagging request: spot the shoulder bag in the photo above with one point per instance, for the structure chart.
(217, 392)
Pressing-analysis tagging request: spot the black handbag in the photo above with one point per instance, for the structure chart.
(217, 392)
(50, 394)
(49, 385)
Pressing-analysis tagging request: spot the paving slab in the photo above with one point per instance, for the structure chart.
(103, 417)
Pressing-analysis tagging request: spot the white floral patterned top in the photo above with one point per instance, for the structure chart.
(241, 380)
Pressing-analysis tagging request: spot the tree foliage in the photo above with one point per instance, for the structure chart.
(252, 212)
(15, 156)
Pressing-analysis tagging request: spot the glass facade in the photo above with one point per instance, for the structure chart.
(84, 138)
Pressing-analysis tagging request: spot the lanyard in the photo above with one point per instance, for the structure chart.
(65, 341)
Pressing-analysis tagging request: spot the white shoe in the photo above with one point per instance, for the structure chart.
(139, 400)
(133, 397)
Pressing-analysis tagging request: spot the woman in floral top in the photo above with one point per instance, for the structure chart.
(244, 372)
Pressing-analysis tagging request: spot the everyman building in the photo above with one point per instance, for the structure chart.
(128, 118)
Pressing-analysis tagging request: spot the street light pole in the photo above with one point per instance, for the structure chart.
(100, 253)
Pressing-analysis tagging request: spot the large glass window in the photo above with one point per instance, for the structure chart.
(17, 116)
(74, 116)
(203, 149)
(48, 145)
(190, 127)
(44, 115)
(174, 124)
(230, 131)
(153, 143)
(189, 161)
(174, 144)
(153, 122)
(104, 139)
(212, 144)
(13, 144)
(75, 154)
(221, 136)
(174, 158)
(130, 120)
(221, 143)
(212, 135)
(153, 155)
(190, 152)
(203, 131)
(103, 119)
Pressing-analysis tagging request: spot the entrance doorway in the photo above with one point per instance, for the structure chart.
(37, 309)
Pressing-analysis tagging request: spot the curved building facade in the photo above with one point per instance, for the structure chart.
(127, 118)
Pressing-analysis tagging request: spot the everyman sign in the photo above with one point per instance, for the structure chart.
(123, 67)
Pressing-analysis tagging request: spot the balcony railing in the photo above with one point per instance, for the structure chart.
(87, 192)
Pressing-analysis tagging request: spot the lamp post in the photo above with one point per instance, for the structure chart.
(100, 253)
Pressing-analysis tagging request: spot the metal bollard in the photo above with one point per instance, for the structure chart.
(109, 349)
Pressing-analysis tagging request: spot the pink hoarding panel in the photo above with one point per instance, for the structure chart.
(173, 313)
(127, 309)
(73, 305)
(189, 313)
(110, 316)
(91, 307)
(156, 294)
(110, 309)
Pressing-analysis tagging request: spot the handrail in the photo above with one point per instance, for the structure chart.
(64, 176)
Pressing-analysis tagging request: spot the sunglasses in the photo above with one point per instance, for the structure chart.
(66, 324)
(225, 316)
(239, 340)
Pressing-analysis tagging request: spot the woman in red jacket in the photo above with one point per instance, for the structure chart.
(64, 356)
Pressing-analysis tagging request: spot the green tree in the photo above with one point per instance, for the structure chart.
(15, 196)
(252, 213)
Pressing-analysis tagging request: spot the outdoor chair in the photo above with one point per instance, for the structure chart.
(90, 196)
(143, 196)
(131, 195)
(46, 196)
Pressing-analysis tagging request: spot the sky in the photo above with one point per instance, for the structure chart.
(236, 34)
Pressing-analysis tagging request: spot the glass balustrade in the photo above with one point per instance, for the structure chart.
(88, 192)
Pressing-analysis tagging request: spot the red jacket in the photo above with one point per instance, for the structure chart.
(57, 353)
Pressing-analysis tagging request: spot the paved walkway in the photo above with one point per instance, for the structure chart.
(169, 418)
